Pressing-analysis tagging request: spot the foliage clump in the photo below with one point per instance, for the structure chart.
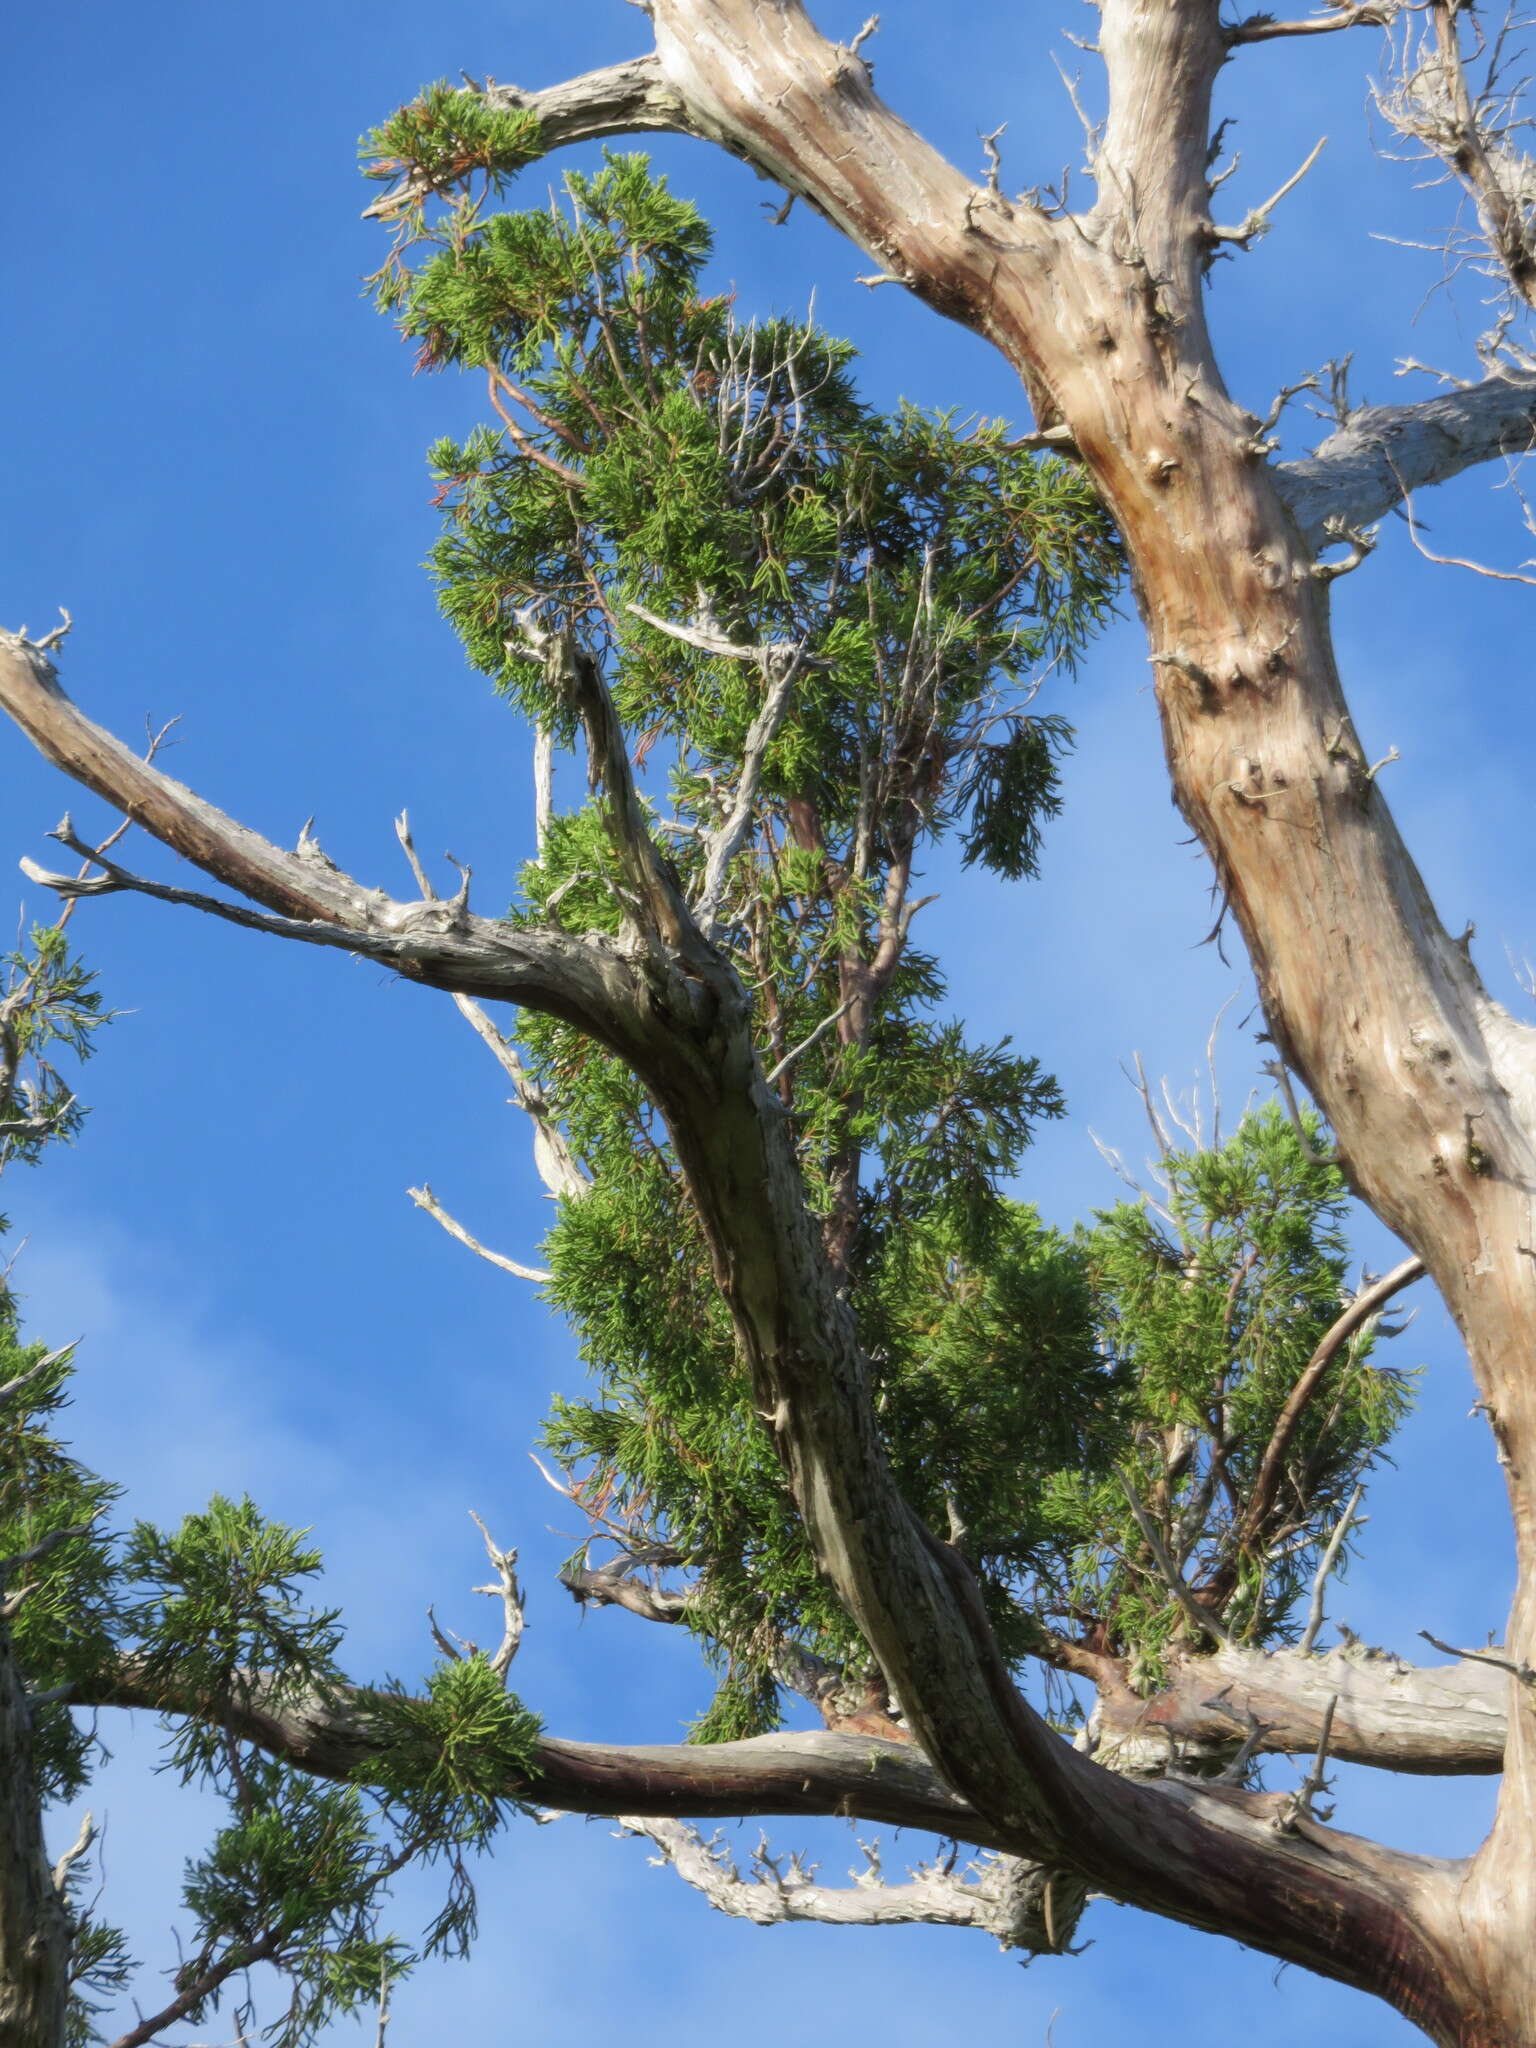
(705, 505)
(214, 1622)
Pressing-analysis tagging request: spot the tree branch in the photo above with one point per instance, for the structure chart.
(621, 99)
(1380, 453)
(1369, 1302)
(1425, 1720)
(424, 1198)
(1263, 28)
(442, 945)
(1020, 1904)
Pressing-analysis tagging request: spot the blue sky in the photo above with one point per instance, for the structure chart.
(215, 460)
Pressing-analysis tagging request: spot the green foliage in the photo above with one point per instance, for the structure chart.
(210, 1617)
(1211, 1301)
(451, 1754)
(292, 1881)
(220, 1615)
(69, 1621)
(653, 453)
(655, 465)
(48, 1000)
(449, 134)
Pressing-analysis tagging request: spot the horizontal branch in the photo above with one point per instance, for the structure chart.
(620, 99)
(1382, 452)
(1429, 1720)
(1263, 28)
(851, 1776)
(1021, 1905)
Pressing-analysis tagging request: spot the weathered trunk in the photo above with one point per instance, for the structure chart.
(35, 1938)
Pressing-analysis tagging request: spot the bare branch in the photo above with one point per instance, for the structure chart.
(1524, 1672)
(1001, 1895)
(442, 945)
(1257, 222)
(1262, 28)
(72, 1855)
(1425, 1720)
(1326, 1564)
(705, 634)
(1299, 1805)
(1353, 1318)
(780, 673)
(13, 1387)
(614, 1585)
(424, 1198)
(510, 1594)
(811, 1038)
(1461, 561)
(1431, 102)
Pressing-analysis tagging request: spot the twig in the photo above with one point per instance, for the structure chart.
(46, 1545)
(72, 1855)
(383, 2027)
(1299, 1805)
(510, 1593)
(705, 636)
(1315, 1611)
(1523, 1672)
(1368, 1303)
(780, 672)
(1279, 1073)
(1460, 561)
(24, 1379)
(1257, 221)
(813, 1038)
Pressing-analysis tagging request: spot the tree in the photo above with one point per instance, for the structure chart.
(1420, 1075)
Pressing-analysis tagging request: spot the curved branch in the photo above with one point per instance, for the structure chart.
(1263, 28)
(1367, 1303)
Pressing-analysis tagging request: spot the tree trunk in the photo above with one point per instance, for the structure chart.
(35, 1939)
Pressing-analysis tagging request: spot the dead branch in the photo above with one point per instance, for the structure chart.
(1263, 28)
(1002, 1896)
(510, 1594)
(1360, 472)
(424, 1198)
(1325, 1566)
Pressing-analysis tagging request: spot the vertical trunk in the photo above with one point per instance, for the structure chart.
(1429, 1085)
(34, 1923)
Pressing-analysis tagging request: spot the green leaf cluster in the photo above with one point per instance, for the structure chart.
(48, 1001)
(1210, 1302)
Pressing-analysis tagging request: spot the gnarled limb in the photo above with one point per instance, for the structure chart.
(1019, 1904)
(1431, 1720)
